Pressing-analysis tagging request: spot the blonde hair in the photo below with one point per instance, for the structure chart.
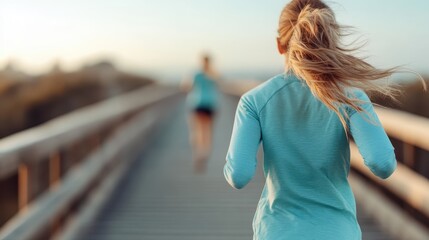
(310, 37)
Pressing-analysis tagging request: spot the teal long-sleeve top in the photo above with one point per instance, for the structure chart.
(306, 160)
(203, 93)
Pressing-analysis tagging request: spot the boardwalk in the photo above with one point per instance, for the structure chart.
(161, 198)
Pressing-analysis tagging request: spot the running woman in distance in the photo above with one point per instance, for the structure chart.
(202, 100)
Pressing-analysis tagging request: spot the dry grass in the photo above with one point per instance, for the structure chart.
(413, 99)
(26, 101)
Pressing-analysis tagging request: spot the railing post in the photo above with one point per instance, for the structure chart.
(23, 185)
(54, 169)
(408, 155)
(95, 141)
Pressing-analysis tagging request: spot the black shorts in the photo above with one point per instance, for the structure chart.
(205, 111)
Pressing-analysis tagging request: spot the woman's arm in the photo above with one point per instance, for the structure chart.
(241, 157)
(371, 140)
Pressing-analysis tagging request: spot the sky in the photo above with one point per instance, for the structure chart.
(166, 37)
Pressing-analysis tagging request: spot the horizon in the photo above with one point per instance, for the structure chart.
(165, 38)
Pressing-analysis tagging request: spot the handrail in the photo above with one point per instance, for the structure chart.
(414, 132)
(38, 142)
(55, 203)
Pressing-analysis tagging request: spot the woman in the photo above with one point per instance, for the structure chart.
(303, 119)
(202, 99)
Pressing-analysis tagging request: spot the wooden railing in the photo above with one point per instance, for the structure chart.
(48, 171)
(412, 131)
(410, 187)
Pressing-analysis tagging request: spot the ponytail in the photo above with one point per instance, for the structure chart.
(310, 38)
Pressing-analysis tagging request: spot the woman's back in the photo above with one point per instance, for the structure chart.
(306, 160)
(301, 118)
(203, 94)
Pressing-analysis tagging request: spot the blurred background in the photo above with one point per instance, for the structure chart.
(59, 58)
(161, 40)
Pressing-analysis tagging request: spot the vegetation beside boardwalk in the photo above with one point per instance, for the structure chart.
(26, 101)
(413, 98)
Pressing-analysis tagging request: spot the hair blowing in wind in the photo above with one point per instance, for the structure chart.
(311, 40)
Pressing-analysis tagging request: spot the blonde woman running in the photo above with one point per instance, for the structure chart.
(303, 119)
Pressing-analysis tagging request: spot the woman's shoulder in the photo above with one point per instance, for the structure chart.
(261, 94)
(198, 74)
(360, 96)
